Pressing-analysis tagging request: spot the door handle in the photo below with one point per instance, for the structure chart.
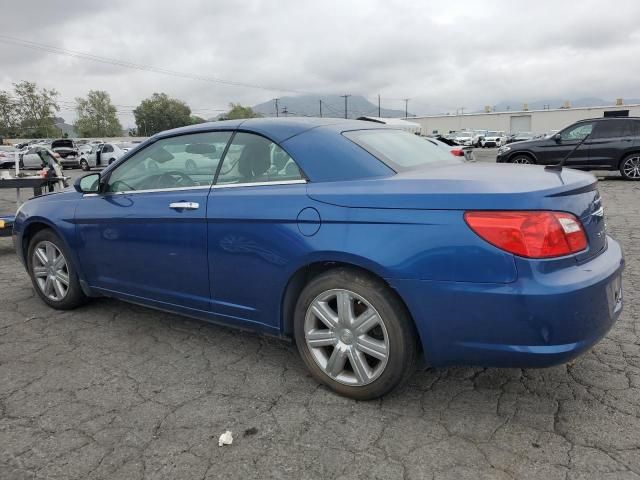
(184, 205)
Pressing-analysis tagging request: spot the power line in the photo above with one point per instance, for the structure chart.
(137, 66)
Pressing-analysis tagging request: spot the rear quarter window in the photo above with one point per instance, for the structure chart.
(400, 150)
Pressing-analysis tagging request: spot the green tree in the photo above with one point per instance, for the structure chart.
(196, 119)
(9, 119)
(35, 107)
(161, 112)
(238, 111)
(97, 116)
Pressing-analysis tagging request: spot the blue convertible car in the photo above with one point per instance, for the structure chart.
(367, 245)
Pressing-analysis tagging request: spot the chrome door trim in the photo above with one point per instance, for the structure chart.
(257, 184)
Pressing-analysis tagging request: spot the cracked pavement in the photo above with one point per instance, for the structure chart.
(117, 391)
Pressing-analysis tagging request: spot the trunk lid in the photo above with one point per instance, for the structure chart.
(478, 186)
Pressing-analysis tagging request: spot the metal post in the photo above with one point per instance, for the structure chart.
(320, 108)
(345, 96)
(277, 112)
(379, 115)
(406, 108)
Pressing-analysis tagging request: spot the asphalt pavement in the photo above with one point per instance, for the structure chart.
(117, 391)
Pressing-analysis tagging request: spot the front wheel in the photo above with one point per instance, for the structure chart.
(84, 165)
(52, 274)
(354, 334)
(630, 167)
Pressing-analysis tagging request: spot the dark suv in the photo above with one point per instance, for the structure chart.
(613, 144)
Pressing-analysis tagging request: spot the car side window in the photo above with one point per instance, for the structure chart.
(107, 149)
(613, 129)
(255, 159)
(577, 132)
(185, 161)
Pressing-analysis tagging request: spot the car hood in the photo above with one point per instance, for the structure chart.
(527, 143)
(460, 186)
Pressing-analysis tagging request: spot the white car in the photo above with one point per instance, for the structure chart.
(464, 138)
(493, 139)
(32, 157)
(100, 156)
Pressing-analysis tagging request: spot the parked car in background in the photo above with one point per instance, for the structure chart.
(455, 150)
(493, 139)
(478, 136)
(612, 144)
(365, 244)
(464, 138)
(65, 147)
(100, 155)
(7, 156)
(32, 157)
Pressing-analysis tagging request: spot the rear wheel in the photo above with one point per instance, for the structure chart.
(630, 167)
(354, 334)
(52, 274)
(523, 159)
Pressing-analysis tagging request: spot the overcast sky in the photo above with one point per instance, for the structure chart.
(442, 55)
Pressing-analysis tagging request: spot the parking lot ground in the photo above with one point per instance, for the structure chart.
(118, 391)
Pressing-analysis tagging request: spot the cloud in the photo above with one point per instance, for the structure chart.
(442, 55)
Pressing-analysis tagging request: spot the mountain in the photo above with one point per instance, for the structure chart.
(332, 106)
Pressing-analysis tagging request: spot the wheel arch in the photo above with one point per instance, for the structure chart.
(526, 153)
(623, 157)
(38, 224)
(303, 275)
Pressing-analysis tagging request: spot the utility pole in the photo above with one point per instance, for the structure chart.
(406, 107)
(320, 108)
(345, 96)
(379, 116)
(277, 113)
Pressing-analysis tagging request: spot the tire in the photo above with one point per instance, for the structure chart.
(84, 165)
(630, 167)
(522, 159)
(40, 266)
(383, 348)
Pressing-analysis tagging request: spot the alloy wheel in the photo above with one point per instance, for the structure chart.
(346, 337)
(50, 271)
(631, 167)
(522, 160)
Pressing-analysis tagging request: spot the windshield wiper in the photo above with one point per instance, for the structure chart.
(558, 166)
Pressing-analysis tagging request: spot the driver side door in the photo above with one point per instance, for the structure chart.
(144, 237)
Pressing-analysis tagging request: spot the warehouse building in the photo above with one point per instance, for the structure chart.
(536, 121)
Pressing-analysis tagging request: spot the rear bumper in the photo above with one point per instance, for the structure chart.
(544, 318)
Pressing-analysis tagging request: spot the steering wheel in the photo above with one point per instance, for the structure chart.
(175, 178)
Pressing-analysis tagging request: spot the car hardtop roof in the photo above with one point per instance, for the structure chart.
(606, 118)
(277, 129)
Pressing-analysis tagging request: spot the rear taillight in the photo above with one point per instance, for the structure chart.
(457, 152)
(540, 234)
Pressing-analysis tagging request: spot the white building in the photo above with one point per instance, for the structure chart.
(536, 121)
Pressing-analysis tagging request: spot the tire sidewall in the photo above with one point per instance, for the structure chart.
(75, 296)
(399, 326)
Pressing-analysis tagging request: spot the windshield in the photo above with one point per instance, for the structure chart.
(463, 135)
(492, 134)
(400, 150)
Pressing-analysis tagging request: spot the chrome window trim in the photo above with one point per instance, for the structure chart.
(257, 184)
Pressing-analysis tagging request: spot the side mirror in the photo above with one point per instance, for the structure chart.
(557, 137)
(88, 184)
